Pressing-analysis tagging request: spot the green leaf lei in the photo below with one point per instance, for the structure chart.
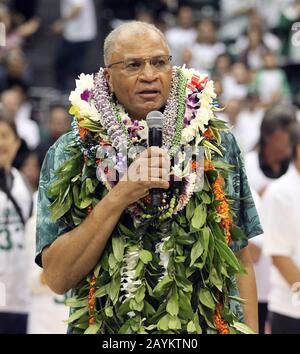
(167, 275)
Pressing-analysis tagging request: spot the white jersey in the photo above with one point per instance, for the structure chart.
(84, 26)
(14, 295)
(47, 311)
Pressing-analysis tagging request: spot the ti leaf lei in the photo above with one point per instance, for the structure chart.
(165, 272)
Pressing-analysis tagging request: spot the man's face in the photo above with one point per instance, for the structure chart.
(147, 90)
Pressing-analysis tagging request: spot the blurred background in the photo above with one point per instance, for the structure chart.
(251, 49)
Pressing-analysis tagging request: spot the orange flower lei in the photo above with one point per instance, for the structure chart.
(223, 207)
(92, 301)
(221, 325)
(226, 222)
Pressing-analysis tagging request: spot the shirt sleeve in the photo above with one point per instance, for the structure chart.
(278, 239)
(237, 187)
(47, 230)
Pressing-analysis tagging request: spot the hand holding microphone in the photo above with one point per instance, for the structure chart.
(150, 171)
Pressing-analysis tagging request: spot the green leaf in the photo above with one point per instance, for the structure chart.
(77, 314)
(243, 328)
(196, 252)
(162, 285)
(125, 231)
(237, 298)
(101, 291)
(172, 304)
(75, 302)
(140, 294)
(205, 198)
(136, 306)
(126, 328)
(97, 270)
(184, 284)
(174, 323)
(109, 311)
(226, 253)
(210, 146)
(237, 233)
(215, 279)
(93, 329)
(149, 309)
(190, 209)
(145, 256)
(114, 288)
(191, 328)
(186, 311)
(206, 298)
(199, 217)
(118, 245)
(163, 323)
(124, 308)
(112, 261)
(89, 185)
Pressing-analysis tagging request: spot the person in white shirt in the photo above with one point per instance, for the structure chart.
(183, 35)
(15, 208)
(248, 123)
(78, 26)
(261, 265)
(47, 311)
(272, 157)
(204, 52)
(20, 109)
(282, 242)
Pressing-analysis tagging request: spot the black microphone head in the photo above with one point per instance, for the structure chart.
(155, 119)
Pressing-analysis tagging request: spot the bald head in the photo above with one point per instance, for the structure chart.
(125, 31)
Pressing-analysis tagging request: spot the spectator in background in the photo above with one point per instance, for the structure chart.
(16, 103)
(202, 54)
(15, 208)
(15, 36)
(78, 27)
(248, 122)
(183, 35)
(271, 82)
(282, 243)
(272, 157)
(17, 70)
(58, 124)
(261, 265)
(47, 310)
(30, 169)
(253, 54)
(236, 84)
(234, 18)
(257, 22)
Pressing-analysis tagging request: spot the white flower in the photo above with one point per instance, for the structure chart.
(209, 89)
(187, 134)
(129, 282)
(85, 82)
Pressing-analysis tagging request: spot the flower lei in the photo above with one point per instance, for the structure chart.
(165, 272)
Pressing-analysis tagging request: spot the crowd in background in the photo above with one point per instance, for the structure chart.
(249, 48)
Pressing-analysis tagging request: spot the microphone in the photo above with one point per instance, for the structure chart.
(154, 121)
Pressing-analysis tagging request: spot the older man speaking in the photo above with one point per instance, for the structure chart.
(179, 267)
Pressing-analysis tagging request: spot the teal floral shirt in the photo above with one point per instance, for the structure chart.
(237, 188)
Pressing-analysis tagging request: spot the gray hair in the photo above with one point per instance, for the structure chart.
(132, 27)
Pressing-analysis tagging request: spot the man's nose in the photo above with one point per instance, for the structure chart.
(148, 72)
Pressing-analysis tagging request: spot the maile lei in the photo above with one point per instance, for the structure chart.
(168, 271)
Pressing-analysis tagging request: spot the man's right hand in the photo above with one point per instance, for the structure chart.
(149, 170)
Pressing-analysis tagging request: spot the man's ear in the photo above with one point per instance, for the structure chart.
(109, 80)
